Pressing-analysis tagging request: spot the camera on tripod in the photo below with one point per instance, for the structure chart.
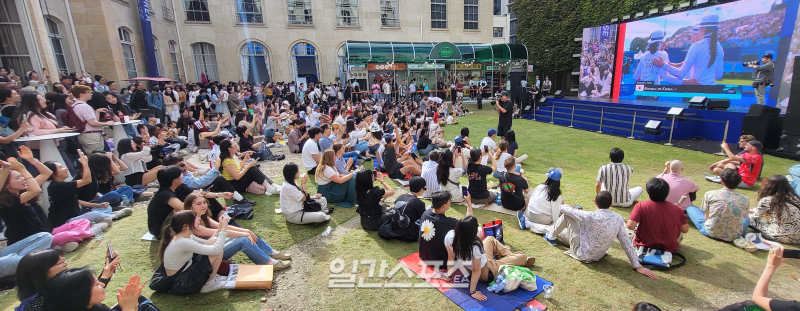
(752, 63)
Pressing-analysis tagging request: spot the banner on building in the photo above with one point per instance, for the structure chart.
(385, 66)
(147, 37)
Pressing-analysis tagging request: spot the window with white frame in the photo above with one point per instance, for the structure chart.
(390, 13)
(166, 10)
(498, 32)
(173, 55)
(249, 11)
(13, 46)
(470, 14)
(300, 12)
(346, 12)
(205, 61)
(439, 14)
(58, 46)
(127, 52)
(255, 62)
(197, 10)
(157, 57)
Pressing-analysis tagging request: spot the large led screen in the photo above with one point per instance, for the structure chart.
(597, 61)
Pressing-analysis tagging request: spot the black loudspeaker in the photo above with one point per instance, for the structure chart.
(542, 102)
(698, 102)
(763, 111)
(558, 94)
(790, 146)
(792, 117)
(766, 130)
(718, 104)
(516, 86)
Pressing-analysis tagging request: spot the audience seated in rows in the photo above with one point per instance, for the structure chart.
(369, 198)
(293, 199)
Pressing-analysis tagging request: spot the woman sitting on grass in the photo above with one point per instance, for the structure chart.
(500, 157)
(78, 289)
(104, 167)
(777, 215)
(544, 206)
(258, 251)
(136, 158)
(189, 263)
(339, 189)
(424, 143)
(293, 197)
(477, 173)
(369, 198)
(259, 149)
(244, 175)
(466, 249)
(447, 174)
(511, 138)
(64, 203)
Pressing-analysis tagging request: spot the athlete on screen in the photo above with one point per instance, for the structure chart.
(646, 71)
(698, 67)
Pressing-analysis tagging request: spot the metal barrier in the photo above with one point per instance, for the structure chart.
(634, 113)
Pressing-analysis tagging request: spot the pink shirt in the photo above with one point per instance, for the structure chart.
(85, 113)
(42, 126)
(678, 187)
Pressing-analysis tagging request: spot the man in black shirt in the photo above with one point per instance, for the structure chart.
(513, 187)
(434, 225)
(505, 108)
(410, 208)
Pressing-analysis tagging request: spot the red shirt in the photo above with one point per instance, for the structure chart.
(751, 168)
(436, 117)
(659, 223)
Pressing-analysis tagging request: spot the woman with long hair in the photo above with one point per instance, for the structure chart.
(293, 197)
(103, 168)
(339, 189)
(447, 174)
(65, 205)
(343, 166)
(189, 263)
(242, 240)
(259, 149)
(243, 174)
(424, 143)
(482, 258)
(500, 156)
(135, 155)
(777, 215)
(544, 206)
(477, 172)
(511, 138)
(369, 198)
(33, 106)
(171, 105)
(77, 289)
(165, 202)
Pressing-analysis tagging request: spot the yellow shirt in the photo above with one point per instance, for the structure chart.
(224, 171)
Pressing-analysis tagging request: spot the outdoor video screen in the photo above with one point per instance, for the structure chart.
(702, 52)
(597, 61)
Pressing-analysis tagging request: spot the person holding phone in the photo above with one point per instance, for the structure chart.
(64, 204)
(243, 174)
(760, 301)
(477, 173)
(293, 198)
(369, 197)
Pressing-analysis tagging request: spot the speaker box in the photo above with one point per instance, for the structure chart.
(792, 117)
(698, 102)
(516, 86)
(790, 146)
(718, 104)
(766, 130)
(558, 94)
(542, 102)
(763, 111)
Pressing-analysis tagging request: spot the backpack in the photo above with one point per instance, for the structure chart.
(71, 119)
(503, 180)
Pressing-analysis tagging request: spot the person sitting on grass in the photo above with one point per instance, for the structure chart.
(243, 174)
(242, 240)
(500, 156)
(339, 189)
(447, 174)
(777, 215)
(292, 199)
(398, 167)
(514, 191)
(724, 213)
(259, 149)
(614, 178)
(104, 166)
(511, 138)
(434, 226)
(136, 159)
(297, 136)
(77, 289)
(488, 146)
(477, 173)
(718, 166)
(64, 203)
(590, 234)
(482, 258)
(543, 206)
(424, 143)
(311, 152)
(343, 166)
(750, 164)
(429, 169)
(369, 198)
(659, 222)
(410, 208)
(189, 264)
(165, 202)
(210, 180)
(679, 186)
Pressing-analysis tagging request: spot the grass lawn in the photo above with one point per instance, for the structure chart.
(717, 274)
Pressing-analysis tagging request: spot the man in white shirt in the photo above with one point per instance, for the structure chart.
(387, 90)
(490, 144)
(311, 155)
(313, 117)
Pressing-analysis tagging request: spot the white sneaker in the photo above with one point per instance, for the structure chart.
(270, 190)
(67, 248)
(277, 188)
(217, 283)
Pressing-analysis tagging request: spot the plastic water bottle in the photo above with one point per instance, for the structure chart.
(548, 291)
(327, 231)
(98, 232)
(125, 202)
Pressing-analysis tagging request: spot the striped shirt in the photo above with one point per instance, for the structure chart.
(431, 181)
(225, 173)
(85, 113)
(615, 178)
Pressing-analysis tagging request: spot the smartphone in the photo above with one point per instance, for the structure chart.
(25, 118)
(578, 207)
(486, 149)
(375, 174)
(110, 252)
(464, 190)
(791, 253)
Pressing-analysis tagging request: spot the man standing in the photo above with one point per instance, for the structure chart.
(505, 108)
(546, 86)
(538, 82)
(91, 138)
(762, 76)
(403, 90)
(412, 90)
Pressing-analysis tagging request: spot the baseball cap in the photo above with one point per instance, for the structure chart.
(504, 93)
(458, 139)
(711, 20)
(492, 132)
(416, 184)
(555, 173)
(757, 144)
(316, 107)
(657, 36)
(374, 127)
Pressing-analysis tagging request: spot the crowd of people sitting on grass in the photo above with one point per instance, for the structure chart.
(335, 139)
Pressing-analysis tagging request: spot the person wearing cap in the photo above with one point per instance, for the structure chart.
(591, 234)
(762, 76)
(750, 165)
(542, 209)
(488, 145)
(698, 67)
(645, 71)
(718, 166)
(505, 109)
(408, 209)
(314, 116)
(724, 212)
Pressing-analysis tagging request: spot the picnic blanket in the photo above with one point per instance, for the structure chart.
(497, 208)
(459, 294)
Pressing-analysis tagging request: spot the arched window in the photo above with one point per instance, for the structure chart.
(304, 61)
(14, 49)
(127, 52)
(173, 55)
(205, 62)
(158, 58)
(58, 45)
(255, 62)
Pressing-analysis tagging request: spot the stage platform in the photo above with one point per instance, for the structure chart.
(618, 114)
